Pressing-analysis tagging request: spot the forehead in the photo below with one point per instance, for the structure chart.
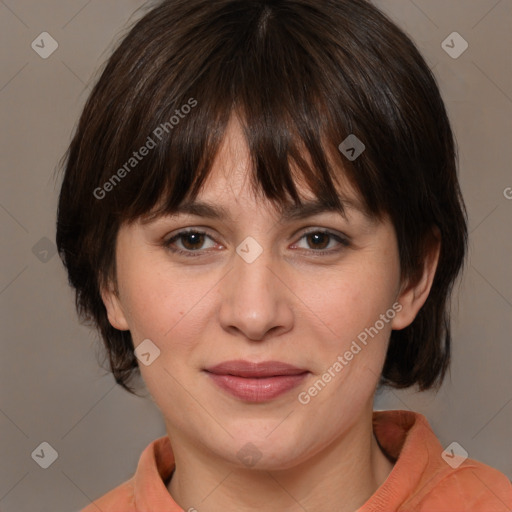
(229, 186)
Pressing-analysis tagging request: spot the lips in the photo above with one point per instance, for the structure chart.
(256, 382)
(247, 369)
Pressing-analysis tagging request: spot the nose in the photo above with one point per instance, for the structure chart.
(255, 300)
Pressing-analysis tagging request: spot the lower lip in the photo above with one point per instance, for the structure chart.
(257, 389)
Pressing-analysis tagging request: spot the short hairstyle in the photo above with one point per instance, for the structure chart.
(302, 76)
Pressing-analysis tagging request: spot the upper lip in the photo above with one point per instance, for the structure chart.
(242, 368)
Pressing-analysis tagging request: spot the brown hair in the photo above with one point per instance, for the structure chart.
(302, 75)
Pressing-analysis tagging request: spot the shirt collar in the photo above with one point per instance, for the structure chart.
(404, 436)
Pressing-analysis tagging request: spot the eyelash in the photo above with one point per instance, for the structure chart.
(191, 254)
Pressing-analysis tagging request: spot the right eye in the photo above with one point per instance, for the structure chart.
(189, 240)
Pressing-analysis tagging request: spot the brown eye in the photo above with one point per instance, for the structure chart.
(318, 242)
(191, 241)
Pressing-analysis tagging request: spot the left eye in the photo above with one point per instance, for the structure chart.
(319, 240)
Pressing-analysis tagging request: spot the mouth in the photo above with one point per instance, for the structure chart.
(256, 382)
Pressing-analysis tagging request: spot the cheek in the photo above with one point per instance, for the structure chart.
(155, 300)
(169, 309)
(343, 303)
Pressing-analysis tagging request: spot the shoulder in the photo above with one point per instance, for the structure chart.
(146, 487)
(426, 478)
(472, 487)
(121, 496)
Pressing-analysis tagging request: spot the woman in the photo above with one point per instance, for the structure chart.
(261, 214)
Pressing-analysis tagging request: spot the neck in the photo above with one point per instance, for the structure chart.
(342, 476)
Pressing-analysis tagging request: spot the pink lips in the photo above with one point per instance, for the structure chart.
(256, 382)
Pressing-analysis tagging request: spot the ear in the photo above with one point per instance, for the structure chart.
(115, 312)
(414, 293)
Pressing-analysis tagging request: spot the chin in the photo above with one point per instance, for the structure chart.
(263, 451)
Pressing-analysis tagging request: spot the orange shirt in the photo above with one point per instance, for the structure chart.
(420, 481)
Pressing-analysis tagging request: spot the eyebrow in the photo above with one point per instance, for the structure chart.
(288, 213)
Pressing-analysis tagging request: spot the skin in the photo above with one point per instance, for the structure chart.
(288, 305)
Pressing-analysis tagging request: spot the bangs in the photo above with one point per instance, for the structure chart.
(276, 79)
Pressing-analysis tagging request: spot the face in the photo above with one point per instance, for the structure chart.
(320, 293)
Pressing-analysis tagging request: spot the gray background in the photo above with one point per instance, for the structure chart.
(52, 388)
